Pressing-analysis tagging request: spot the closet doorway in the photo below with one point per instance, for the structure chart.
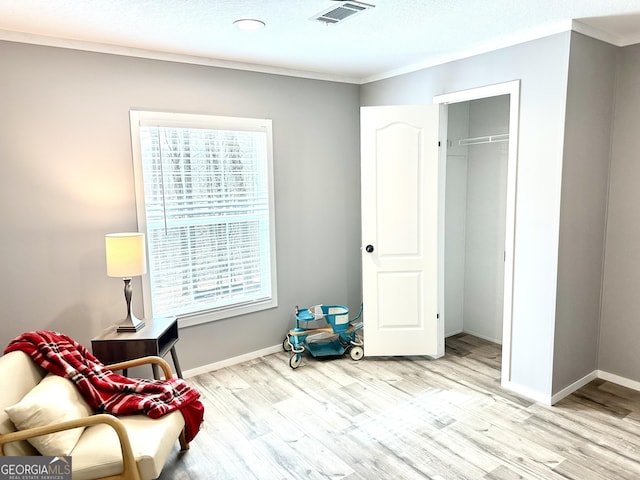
(479, 164)
(475, 204)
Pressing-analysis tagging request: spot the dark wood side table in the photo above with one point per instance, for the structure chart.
(158, 337)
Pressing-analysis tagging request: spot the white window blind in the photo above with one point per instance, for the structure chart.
(204, 189)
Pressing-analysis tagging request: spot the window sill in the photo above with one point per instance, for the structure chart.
(224, 313)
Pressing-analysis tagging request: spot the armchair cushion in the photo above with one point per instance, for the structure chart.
(54, 399)
(98, 455)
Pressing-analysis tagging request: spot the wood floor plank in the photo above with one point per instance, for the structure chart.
(303, 458)
(503, 473)
(404, 418)
(513, 449)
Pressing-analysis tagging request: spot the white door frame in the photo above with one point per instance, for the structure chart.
(508, 88)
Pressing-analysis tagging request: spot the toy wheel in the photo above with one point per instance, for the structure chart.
(295, 360)
(356, 352)
(286, 344)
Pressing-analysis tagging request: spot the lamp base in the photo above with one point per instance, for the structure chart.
(130, 325)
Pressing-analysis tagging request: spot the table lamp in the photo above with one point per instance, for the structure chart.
(126, 258)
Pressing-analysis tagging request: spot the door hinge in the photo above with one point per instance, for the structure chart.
(437, 315)
(439, 143)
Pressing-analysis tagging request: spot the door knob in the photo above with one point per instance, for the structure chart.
(369, 248)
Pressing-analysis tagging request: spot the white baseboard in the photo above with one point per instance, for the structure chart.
(568, 390)
(483, 337)
(609, 377)
(231, 361)
(527, 392)
(617, 379)
(451, 334)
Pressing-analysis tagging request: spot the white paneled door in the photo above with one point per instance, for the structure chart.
(400, 157)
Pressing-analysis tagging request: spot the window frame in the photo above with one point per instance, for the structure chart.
(214, 122)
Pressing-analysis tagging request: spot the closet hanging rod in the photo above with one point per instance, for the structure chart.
(501, 137)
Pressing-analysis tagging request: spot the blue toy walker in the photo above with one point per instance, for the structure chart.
(342, 333)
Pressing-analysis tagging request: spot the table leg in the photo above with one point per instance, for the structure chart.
(174, 357)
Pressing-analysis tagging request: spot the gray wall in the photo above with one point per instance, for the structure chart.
(585, 176)
(67, 179)
(542, 67)
(620, 324)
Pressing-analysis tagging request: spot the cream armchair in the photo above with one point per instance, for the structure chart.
(101, 446)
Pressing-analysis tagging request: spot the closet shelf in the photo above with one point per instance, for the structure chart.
(502, 137)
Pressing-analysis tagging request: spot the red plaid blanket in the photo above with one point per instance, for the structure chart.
(106, 391)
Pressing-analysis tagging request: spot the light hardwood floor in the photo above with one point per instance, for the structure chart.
(409, 418)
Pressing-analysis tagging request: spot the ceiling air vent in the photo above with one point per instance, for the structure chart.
(338, 14)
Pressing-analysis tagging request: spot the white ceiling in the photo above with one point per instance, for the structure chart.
(394, 37)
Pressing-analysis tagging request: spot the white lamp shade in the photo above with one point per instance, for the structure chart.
(126, 256)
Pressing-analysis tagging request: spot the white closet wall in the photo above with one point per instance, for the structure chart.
(475, 217)
(455, 217)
